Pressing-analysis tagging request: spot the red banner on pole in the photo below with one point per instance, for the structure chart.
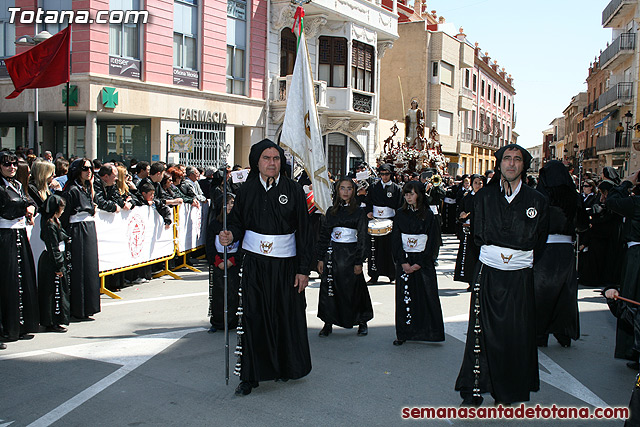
(44, 65)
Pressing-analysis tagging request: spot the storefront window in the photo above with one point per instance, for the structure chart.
(122, 142)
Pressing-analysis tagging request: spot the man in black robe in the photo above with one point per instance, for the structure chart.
(383, 199)
(511, 220)
(270, 212)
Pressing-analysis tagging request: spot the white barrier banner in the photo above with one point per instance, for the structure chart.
(192, 226)
(131, 237)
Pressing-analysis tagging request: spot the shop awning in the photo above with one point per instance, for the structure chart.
(601, 122)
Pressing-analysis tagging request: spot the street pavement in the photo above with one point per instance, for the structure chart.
(147, 360)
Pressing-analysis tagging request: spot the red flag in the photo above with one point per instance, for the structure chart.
(44, 65)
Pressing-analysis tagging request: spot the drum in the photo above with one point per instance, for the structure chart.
(380, 227)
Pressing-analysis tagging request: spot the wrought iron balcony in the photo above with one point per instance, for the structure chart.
(612, 141)
(625, 43)
(589, 153)
(362, 103)
(622, 92)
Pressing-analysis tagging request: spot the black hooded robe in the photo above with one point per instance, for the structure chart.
(468, 251)
(418, 310)
(273, 326)
(344, 301)
(503, 300)
(18, 290)
(381, 260)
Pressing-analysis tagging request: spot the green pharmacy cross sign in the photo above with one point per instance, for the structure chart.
(73, 96)
(109, 97)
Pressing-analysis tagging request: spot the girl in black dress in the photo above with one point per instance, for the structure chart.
(80, 226)
(344, 298)
(53, 269)
(414, 239)
(18, 292)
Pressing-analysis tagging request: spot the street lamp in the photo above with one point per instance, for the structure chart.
(32, 41)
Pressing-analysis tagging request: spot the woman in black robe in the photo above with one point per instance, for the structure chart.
(555, 280)
(586, 265)
(344, 298)
(468, 251)
(79, 224)
(18, 292)
(215, 256)
(53, 269)
(414, 239)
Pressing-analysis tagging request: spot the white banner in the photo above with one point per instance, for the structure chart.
(192, 226)
(301, 131)
(131, 237)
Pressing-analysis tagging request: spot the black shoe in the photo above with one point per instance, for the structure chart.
(563, 340)
(25, 337)
(212, 330)
(398, 342)
(373, 280)
(56, 328)
(633, 365)
(363, 330)
(282, 380)
(542, 340)
(326, 330)
(473, 401)
(245, 388)
(3, 346)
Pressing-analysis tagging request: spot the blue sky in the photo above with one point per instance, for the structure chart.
(545, 45)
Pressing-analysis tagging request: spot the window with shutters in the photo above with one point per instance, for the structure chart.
(288, 47)
(446, 74)
(332, 61)
(362, 67)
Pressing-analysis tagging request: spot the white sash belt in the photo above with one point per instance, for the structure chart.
(629, 244)
(344, 235)
(505, 258)
(277, 246)
(231, 249)
(559, 238)
(449, 201)
(383, 212)
(13, 223)
(434, 209)
(414, 242)
(81, 217)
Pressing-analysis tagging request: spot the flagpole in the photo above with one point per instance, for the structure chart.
(68, 90)
(226, 282)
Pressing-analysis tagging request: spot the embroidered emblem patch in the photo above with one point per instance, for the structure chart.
(389, 194)
(266, 247)
(532, 212)
(283, 199)
(506, 259)
(380, 212)
(337, 234)
(412, 243)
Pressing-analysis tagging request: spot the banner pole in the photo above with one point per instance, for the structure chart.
(226, 286)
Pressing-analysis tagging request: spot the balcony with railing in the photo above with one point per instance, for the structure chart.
(613, 141)
(283, 84)
(617, 13)
(618, 50)
(620, 93)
